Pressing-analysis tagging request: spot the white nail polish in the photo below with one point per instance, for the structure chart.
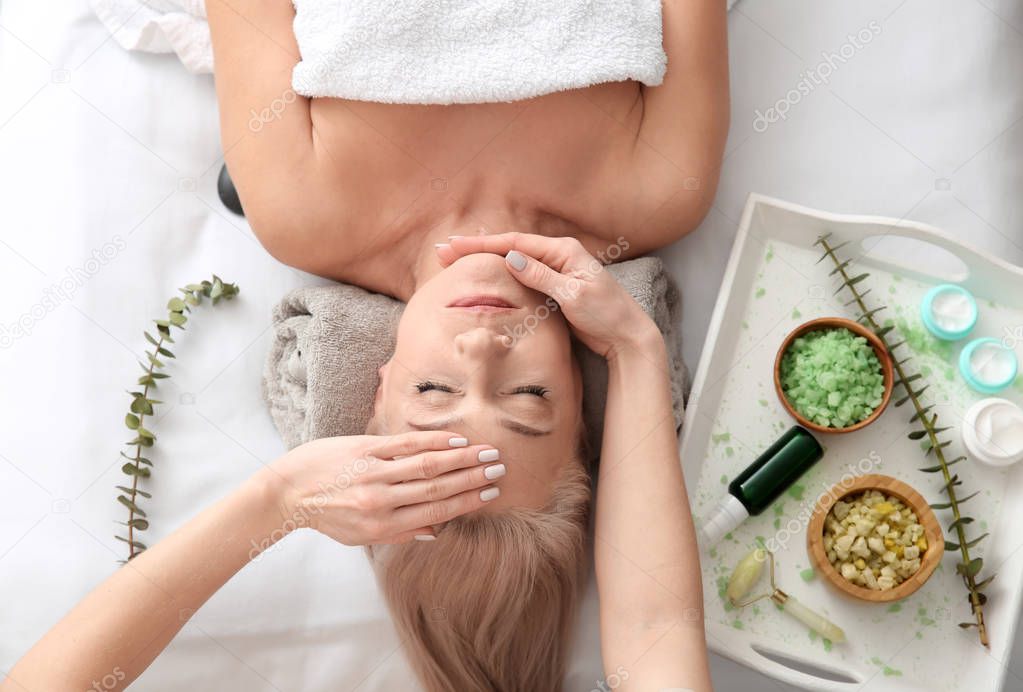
(516, 259)
(425, 537)
(489, 455)
(458, 442)
(495, 471)
(489, 494)
(440, 246)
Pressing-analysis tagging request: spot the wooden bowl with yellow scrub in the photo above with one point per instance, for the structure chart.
(879, 545)
(826, 324)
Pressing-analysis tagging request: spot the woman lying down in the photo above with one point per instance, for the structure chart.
(476, 498)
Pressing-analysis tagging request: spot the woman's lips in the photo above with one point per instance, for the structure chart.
(482, 303)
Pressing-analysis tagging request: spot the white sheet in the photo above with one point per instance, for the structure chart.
(97, 144)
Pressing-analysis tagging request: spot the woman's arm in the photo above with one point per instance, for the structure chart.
(266, 129)
(682, 134)
(119, 628)
(647, 562)
(358, 490)
(648, 570)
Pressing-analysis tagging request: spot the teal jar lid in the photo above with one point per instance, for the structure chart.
(949, 312)
(987, 365)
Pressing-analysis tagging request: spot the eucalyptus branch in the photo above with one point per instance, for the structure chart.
(969, 567)
(138, 466)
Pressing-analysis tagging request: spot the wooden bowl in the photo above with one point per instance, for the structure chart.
(889, 486)
(825, 323)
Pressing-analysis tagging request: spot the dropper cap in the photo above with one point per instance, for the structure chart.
(725, 518)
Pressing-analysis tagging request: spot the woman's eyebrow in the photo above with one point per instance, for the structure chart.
(508, 423)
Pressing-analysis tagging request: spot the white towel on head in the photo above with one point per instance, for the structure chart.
(428, 51)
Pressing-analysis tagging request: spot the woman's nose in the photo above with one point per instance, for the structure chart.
(482, 342)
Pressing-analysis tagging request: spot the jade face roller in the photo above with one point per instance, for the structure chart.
(746, 575)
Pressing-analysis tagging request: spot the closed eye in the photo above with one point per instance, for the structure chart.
(433, 386)
(533, 389)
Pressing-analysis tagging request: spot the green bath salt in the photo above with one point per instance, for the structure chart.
(832, 377)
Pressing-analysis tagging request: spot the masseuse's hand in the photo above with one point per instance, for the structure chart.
(602, 314)
(369, 489)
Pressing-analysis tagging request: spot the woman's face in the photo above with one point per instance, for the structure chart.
(480, 354)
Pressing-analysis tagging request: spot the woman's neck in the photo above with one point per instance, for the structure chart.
(414, 259)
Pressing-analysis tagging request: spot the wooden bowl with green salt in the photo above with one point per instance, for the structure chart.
(833, 375)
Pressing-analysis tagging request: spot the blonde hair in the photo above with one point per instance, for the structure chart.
(490, 605)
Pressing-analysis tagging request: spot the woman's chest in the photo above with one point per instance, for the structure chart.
(565, 153)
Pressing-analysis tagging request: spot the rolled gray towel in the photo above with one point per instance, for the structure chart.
(321, 373)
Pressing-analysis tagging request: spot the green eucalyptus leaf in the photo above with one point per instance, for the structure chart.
(151, 339)
(950, 546)
(971, 568)
(131, 420)
(142, 405)
(982, 584)
(976, 540)
(176, 305)
(159, 376)
(141, 441)
(961, 500)
(130, 491)
(134, 544)
(130, 505)
(131, 470)
(917, 434)
(177, 319)
(164, 352)
(961, 521)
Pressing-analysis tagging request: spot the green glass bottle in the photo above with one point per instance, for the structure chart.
(760, 484)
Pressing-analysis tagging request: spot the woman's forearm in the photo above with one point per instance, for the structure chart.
(647, 564)
(123, 624)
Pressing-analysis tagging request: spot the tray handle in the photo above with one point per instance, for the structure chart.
(977, 265)
(794, 670)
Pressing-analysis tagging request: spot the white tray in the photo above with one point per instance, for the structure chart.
(773, 283)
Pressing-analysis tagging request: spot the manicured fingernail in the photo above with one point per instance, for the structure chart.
(516, 259)
(452, 237)
(495, 471)
(489, 455)
(441, 246)
(458, 442)
(425, 537)
(489, 494)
